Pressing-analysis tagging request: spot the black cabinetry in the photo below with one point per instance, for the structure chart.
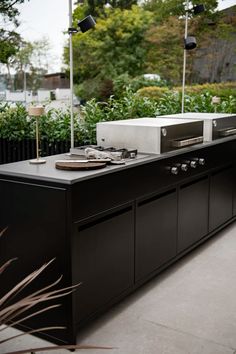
(111, 232)
(156, 232)
(192, 212)
(221, 197)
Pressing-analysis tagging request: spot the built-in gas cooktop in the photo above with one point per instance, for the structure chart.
(117, 155)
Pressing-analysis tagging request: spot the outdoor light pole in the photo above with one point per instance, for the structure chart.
(185, 55)
(25, 87)
(71, 78)
(189, 42)
(86, 24)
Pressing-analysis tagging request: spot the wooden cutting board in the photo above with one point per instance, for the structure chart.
(79, 166)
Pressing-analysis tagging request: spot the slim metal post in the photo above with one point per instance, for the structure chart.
(25, 86)
(37, 138)
(185, 55)
(71, 78)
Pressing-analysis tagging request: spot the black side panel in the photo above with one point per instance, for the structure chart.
(36, 221)
(221, 191)
(234, 191)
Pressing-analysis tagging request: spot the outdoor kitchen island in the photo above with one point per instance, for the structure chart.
(111, 229)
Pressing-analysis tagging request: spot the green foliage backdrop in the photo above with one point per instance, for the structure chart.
(134, 39)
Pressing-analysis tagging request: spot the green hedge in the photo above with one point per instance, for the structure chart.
(134, 105)
(223, 90)
(15, 124)
(128, 106)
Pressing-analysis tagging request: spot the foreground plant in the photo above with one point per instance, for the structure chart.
(10, 310)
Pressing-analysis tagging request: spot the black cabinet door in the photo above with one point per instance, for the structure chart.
(221, 198)
(103, 260)
(192, 212)
(156, 228)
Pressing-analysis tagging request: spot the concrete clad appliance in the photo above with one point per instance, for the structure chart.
(150, 135)
(216, 125)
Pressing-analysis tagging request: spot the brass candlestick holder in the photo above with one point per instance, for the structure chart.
(37, 112)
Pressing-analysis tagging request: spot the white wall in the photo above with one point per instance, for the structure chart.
(62, 94)
(19, 96)
(43, 95)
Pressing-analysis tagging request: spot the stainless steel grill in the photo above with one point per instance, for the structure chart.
(216, 125)
(150, 135)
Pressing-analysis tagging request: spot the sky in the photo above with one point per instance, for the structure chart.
(49, 18)
(46, 18)
(223, 4)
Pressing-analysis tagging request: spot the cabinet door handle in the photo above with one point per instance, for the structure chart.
(227, 132)
(193, 182)
(156, 197)
(227, 168)
(187, 142)
(86, 224)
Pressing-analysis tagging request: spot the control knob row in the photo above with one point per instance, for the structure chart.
(184, 166)
(200, 160)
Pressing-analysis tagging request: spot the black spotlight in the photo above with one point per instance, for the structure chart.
(197, 9)
(190, 43)
(86, 24)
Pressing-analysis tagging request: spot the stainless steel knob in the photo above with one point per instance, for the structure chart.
(174, 170)
(193, 164)
(184, 167)
(201, 161)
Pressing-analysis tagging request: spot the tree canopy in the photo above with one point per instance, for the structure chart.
(115, 46)
(147, 38)
(9, 39)
(96, 7)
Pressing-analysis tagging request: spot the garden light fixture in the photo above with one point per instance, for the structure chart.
(190, 43)
(197, 9)
(84, 25)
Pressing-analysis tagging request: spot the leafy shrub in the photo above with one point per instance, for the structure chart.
(128, 106)
(54, 125)
(92, 113)
(132, 105)
(154, 93)
(15, 123)
(223, 90)
(99, 88)
(170, 103)
(147, 102)
(122, 82)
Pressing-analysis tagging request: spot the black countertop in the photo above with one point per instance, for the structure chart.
(48, 171)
